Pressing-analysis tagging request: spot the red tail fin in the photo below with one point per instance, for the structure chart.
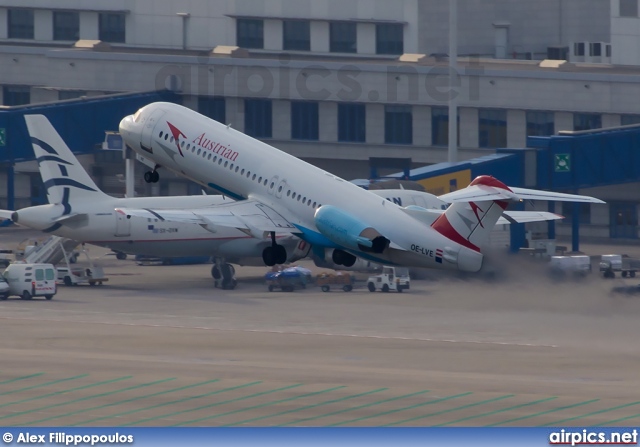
(470, 223)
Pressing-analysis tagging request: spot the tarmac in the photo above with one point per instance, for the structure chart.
(159, 346)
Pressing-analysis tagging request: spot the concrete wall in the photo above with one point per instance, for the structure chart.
(533, 26)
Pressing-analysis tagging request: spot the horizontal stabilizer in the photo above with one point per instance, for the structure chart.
(428, 216)
(485, 192)
(534, 194)
(509, 217)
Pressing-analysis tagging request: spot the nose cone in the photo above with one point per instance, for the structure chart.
(127, 129)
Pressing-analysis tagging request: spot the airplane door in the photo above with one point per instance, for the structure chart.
(150, 124)
(123, 225)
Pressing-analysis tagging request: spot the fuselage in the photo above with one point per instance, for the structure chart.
(241, 167)
(98, 223)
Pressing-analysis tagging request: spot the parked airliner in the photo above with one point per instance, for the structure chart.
(279, 193)
(79, 210)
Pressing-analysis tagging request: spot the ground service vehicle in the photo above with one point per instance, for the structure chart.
(4, 289)
(610, 264)
(340, 279)
(31, 280)
(391, 279)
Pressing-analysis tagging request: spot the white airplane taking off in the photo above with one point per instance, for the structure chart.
(278, 193)
(78, 210)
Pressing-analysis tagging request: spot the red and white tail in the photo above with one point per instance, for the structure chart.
(469, 223)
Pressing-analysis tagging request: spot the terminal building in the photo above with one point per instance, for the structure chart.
(338, 83)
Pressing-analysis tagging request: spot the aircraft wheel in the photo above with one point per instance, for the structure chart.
(148, 177)
(215, 272)
(280, 254)
(155, 177)
(371, 287)
(268, 257)
(337, 257)
(4, 297)
(121, 256)
(348, 260)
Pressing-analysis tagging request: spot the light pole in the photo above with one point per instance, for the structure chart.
(453, 73)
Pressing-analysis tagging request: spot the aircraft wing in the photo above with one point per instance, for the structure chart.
(484, 192)
(250, 216)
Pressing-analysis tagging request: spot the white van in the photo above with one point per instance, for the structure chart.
(30, 280)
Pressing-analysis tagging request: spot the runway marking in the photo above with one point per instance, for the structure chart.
(133, 399)
(497, 411)
(353, 396)
(553, 410)
(164, 404)
(391, 399)
(267, 331)
(462, 407)
(606, 410)
(91, 385)
(384, 413)
(21, 378)
(288, 399)
(615, 421)
(213, 404)
(82, 399)
(40, 385)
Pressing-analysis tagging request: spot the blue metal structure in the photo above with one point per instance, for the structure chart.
(81, 123)
(565, 162)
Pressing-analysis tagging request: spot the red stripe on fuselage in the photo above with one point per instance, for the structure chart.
(444, 227)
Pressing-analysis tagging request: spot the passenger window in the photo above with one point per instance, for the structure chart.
(49, 273)
(260, 180)
(231, 167)
(198, 153)
(39, 275)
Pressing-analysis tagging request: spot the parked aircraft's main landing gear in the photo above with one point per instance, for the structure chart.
(341, 257)
(224, 275)
(275, 254)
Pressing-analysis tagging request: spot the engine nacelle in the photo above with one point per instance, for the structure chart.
(38, 217)
(348, 231)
